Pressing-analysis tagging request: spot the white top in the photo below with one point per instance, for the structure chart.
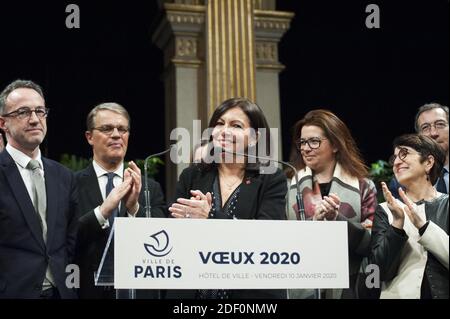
(22, 161)
(408, 282)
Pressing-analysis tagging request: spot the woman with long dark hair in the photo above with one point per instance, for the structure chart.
(231, 187)
(334, 184)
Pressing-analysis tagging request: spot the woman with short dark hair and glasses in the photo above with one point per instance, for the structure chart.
(410, 236)
(334, 184)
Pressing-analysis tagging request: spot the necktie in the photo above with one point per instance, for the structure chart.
(40, 195)
(40, 205)
(109, 188)
(440, 185)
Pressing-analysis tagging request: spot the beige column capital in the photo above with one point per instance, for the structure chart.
(180, 33)
(270, 27)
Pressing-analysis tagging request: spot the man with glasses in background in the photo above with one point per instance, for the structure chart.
(432, 120)
(106, 190)
(38, 202)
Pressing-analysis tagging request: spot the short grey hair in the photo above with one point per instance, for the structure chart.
(110, 106)
(427, 107)
(18, 84)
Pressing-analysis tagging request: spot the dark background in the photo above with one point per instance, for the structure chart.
(373, 79)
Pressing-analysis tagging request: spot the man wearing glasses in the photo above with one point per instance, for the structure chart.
(432, 120)
(108, 190)
(38, 202)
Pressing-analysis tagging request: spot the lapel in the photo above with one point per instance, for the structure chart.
(205, 182)
(91, 190)
(350, 181)
(52, 190)
(89, 187)
(248, 196)
(123, 210)
(22, 197)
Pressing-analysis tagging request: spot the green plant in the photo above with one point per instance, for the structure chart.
(380, 171)
(74, 162)
(153, 165)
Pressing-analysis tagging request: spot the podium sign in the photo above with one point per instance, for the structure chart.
(169, 253)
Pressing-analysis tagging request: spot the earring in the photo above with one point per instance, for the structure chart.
(428, 176)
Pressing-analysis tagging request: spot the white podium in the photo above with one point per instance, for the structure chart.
(167, 253)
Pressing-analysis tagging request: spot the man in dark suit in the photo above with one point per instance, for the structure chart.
(431, 120)
(2, 146)
(37, 202)
(107, 190)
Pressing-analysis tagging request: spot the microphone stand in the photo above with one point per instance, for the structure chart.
(148, 206)
(299, 196)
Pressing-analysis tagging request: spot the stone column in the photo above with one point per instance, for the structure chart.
(270, 26)
(180, 34)
(214, 50)
(230, 51)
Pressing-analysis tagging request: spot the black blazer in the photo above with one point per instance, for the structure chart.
(388, 245)
(23, 254)
(262, 196)
(91, 240)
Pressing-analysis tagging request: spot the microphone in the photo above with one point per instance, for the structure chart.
(299, 197)
(148, 207)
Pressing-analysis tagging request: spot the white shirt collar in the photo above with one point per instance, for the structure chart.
(22, 159)
(100, 171)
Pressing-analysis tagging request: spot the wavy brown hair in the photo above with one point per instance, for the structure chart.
(348, 154)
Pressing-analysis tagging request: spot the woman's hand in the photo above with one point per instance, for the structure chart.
(397, 211)
(198, 206)
(328, 208)
(410, 210)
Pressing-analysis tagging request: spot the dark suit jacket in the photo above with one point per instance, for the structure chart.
(23, 254)
(92, 238)
(262, 196)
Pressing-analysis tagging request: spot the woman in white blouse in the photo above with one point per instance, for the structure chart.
(410, 242)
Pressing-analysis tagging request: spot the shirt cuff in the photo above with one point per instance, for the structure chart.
(104, 223)
(400, 232)
(130, 214)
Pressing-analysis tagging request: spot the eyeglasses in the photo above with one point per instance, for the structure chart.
(313, 142)
(402, 154)
(25, 112)
(438, 125)
(109, 129)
